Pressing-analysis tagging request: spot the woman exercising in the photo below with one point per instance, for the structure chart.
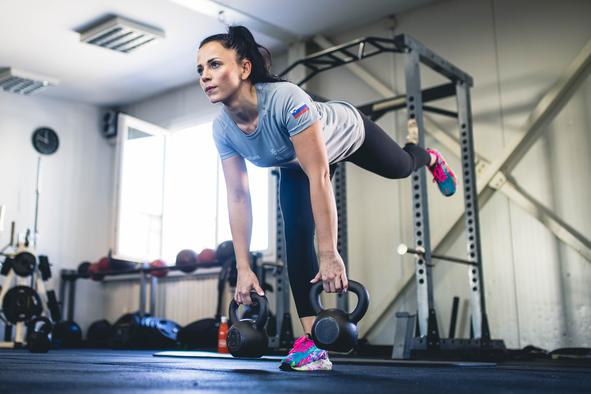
(271, 122)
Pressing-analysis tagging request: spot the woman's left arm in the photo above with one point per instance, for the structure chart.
(311, 154)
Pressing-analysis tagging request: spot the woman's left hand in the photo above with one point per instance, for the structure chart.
(332, 273)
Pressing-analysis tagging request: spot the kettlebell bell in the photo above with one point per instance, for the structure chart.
(38, 331)
(247, 337)
(334, 329)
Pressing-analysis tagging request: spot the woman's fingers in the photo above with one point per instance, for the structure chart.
(326, 285)
(332, 285)
(338, 284)
(345, 282)
(259, 290)
(316, 278)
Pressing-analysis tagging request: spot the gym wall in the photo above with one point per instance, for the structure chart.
(535, 286)
(76, 186)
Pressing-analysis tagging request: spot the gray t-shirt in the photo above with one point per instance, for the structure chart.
(284, 111)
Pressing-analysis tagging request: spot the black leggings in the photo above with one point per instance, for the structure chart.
(378, 154)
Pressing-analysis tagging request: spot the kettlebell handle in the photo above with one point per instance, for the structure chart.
(259, 301)
(355, 287)
(45, 327)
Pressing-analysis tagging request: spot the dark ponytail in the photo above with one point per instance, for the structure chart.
(240, 39)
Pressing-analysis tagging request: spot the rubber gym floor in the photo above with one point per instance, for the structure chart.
(100, 371)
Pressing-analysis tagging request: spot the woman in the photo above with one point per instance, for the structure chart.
(271, 122)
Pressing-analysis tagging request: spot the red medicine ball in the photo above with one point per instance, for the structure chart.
(207, 256)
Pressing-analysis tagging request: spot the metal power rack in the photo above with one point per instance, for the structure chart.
(427, 341)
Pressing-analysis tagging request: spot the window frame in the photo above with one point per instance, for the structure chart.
(124, 123)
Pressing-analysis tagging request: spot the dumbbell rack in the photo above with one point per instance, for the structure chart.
(35, 280)
(69, 278)
(284, 334)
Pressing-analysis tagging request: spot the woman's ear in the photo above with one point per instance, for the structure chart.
(246, 69)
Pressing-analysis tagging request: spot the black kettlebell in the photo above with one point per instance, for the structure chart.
(38, 331)
(335, 329)
(247, 337)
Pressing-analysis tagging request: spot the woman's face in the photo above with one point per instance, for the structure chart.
(220, 73)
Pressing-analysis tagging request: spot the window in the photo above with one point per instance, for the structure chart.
(139, 189)
(171, 194)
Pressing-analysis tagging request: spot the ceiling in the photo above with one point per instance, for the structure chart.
(42, 37)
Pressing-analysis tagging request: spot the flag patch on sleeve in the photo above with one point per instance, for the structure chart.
(299, 110)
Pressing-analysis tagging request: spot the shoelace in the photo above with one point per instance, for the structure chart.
(438, 173)
(297, 344)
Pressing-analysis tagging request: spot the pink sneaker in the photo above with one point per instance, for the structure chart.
(442, 174)
(305, 356)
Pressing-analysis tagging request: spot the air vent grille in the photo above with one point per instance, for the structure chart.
(120, 34)
(23, 82)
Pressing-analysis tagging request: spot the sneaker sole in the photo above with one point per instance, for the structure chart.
(320, 365)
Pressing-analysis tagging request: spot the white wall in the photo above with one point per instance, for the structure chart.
(515, 50)
(177, 109)
(76, 187)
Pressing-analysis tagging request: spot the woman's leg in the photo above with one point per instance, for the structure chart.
(302, 263)
(381, 155)
(302, 266)
(296, 208)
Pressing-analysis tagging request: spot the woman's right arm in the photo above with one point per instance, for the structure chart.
(240, 214)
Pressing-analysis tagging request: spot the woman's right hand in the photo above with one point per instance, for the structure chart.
(247, 281)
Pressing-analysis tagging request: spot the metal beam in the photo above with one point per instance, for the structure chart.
(340, 55)
(356, 69)
(548, 107)
(399, 102)
(432, 128)
(552, 102)
(433, 60)
(562, 230)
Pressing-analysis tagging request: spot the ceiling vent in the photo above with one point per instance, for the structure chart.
(120, 34)
(23, 82)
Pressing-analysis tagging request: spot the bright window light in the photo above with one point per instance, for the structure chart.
(258, 179)
(172, 194)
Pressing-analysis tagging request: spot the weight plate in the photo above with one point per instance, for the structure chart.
(24, 264)
(21, 303)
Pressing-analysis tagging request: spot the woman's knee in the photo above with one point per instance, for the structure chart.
(399, 172)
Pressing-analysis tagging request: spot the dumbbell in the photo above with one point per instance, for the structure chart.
(334, 329)
(247, 337)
